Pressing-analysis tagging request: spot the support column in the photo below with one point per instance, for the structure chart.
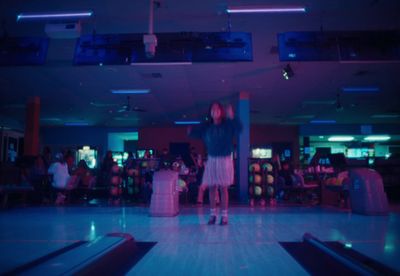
(243, 146)
(31, 138)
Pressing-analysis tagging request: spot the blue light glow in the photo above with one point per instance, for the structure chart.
(76, 124)
(187, 122)
(348, 245)
(323, 121)
(92, 233)
(361, 89)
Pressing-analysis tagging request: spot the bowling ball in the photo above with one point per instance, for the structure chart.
(270, 179)
(115, 191)
(251, 178)
(144, 164)
(131, 172)
(115, 169)
(257, 179)
(256, 167)
(257, 190)
(115, 180)
(182, 183)
(267, 167)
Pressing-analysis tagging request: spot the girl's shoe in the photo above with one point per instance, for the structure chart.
(212, 220)
(224, 221)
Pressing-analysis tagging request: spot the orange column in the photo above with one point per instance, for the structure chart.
(31, 139)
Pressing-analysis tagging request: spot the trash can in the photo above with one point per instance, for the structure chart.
(165, 197)
(367, 195)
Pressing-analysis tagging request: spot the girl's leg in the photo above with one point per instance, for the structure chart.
(224, 199)
(213, 212)
(224, 204)
(211, 192)
(200, 194)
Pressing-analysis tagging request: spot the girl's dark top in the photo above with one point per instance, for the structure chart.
(218, 138)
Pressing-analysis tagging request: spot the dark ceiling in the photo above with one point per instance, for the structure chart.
(82, 93)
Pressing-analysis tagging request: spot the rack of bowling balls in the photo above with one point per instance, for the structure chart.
(139, 176)
(261, 179)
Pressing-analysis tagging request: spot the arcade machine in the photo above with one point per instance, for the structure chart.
(120, 157)
(360, 157)
(89, 154)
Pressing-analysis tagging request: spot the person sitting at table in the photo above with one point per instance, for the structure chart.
(62, 182)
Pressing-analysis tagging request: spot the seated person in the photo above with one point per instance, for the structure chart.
(62, 181)
(285, 174)
(287, 177)
(86, 180)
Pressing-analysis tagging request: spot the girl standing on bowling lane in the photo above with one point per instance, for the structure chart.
(217, 135)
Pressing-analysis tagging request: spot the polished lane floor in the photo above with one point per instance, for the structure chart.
(249, 245)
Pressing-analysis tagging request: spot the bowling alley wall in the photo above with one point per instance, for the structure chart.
(160, 137)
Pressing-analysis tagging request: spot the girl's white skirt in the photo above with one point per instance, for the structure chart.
(218, 171)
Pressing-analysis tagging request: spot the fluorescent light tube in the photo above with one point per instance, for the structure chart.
(265, 9)
(377, 138)
(340, 138)
(130, 91)
(159, 63)
(32, 16)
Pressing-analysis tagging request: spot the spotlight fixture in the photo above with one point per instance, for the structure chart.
(287, 72)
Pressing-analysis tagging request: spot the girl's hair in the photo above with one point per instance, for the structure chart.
(221, 107)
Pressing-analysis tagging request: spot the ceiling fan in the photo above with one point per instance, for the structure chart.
(128, 107)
